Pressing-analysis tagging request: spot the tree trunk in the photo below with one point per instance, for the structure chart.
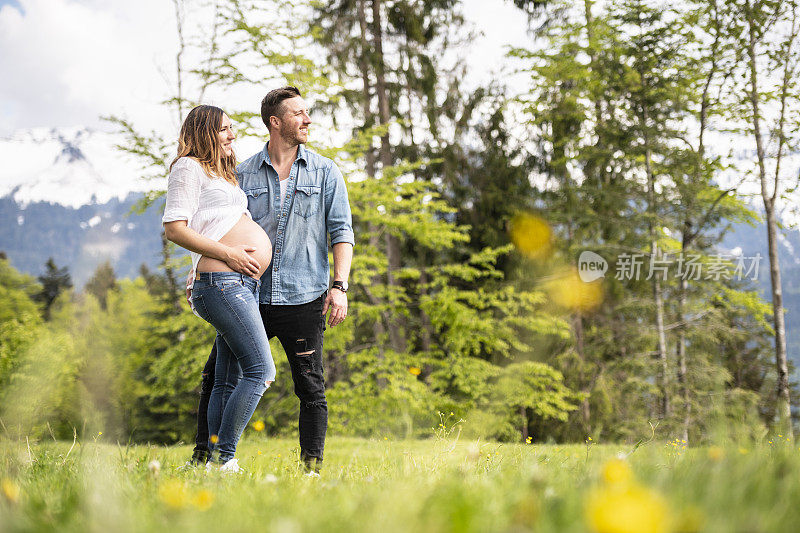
(784, 405)
(585, 409)
(682, 366)
(175, 290)
(657, 291)
(523, 412)
(396, 340)
(378, 327)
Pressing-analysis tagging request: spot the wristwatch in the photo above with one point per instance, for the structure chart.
(341, 285)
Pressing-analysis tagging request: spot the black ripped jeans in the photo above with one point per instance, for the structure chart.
(299, 329)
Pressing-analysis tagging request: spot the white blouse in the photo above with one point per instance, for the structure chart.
(210, 206)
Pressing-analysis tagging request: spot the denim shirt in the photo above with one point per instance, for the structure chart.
(315, 206)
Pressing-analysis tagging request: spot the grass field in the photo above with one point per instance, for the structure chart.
(392, 486)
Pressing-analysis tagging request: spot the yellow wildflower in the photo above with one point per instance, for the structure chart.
(616, 472)
(10, 490)
(415, 370)
(626, 509)
(203, 499)
(715, 453)
(258, 425)
(173, 493)
(213, 439)
(620, 505)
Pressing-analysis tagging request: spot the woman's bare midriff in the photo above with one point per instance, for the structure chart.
(247, 233)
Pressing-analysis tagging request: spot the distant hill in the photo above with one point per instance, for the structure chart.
(68, 166)
(67, 193)
(80, 238)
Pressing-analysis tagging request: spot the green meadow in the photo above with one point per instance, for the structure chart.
(433, 485)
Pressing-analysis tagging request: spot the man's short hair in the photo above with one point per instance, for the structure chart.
(272, 104)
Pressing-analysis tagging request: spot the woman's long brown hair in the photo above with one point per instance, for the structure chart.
(199, 139)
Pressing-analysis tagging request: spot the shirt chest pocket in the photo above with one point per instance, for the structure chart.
(307, 200)
(258, 202)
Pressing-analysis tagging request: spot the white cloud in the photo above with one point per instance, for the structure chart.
(66, 62)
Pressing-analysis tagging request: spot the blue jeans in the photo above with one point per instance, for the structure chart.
(244, 366)
(300, 329)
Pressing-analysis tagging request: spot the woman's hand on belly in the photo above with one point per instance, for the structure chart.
(239, 260)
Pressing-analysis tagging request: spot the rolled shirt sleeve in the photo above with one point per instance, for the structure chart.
(183, 193)
(338, 218)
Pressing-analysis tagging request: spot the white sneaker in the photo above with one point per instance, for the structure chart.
(231, 467)
(311, 474)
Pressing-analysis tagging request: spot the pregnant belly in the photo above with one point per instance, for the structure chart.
(247, 233)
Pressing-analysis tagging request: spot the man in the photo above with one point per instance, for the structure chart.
(299, 198)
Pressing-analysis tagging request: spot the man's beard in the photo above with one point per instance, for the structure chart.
(292, 137)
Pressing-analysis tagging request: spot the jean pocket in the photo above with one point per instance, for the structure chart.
(307, 200)
(224, 284)
(199, 306)
(258, 202)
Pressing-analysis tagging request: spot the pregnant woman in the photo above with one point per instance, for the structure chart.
(206, 213)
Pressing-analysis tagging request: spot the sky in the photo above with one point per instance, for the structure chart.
(66, 63)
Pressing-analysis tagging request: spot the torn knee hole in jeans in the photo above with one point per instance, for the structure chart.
(301, 347)
(268, 383)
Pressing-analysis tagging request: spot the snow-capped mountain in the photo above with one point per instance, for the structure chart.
(71, 167)
(67, 193)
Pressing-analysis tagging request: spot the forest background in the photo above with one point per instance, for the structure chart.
(471, 209)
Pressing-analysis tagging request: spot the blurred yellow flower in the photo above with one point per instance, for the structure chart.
(531, 235)
(715, 453)
(213, 439)
(173, 493)
(620, 505)
(258, 425)
(203, 499)
(10, 490)
(617, 472)
(414, 370)
(626, 509)
(570, 292)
